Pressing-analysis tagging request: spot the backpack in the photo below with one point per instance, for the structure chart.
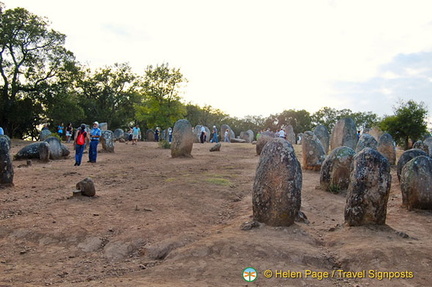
(80, 139)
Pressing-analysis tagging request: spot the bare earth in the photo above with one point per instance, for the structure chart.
(159, 221)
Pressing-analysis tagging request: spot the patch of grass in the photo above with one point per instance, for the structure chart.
(165, 144)
(218, 181)
(334, 188)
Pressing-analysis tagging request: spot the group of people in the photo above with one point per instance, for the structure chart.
(214, 137)
(82, 138)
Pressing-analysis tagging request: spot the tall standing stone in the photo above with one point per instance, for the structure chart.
(313, 151)
(416, 183)
(264, 138)
(248, 136)
(290, 134)
(276, 197)
(428, 143)
(344, 133)
(366, 140)
(118, 134)
(6, 167)
(405, 157)
(336, 169)
(107, 141)
(387, 147)
(323, 135)
(369, 189)
(183, 139)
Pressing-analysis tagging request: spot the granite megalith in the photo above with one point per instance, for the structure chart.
(313, 153)
(405, 157)
(323, 135)
(276, 196)
(264, 138)
(368, 190)
(344, 133)
(336, 169)
(107, 141)
(57, 149)
(416, 183)
(183, 139)
(6, 167)
(387, 147)
(366, 140)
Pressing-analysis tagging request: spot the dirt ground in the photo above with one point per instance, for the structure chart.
(159, 221)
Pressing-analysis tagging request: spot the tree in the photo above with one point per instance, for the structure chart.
(299, 120)
(328, 117)
(407, 123)
(109, 94)
(160, 103)
(31, 55)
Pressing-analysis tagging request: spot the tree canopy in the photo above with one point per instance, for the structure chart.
(407, 123)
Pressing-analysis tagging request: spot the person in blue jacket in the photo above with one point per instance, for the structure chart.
(95, 134)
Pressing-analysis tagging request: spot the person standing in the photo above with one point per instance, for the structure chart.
(215, 136)
(1, 131)
(60, 129)
(135, 134)
(203, 134)
(226, 136)
(95, 134)
(170, 134)
(69, 131)
(80, 140)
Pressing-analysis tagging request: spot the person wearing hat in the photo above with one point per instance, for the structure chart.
(95, 134)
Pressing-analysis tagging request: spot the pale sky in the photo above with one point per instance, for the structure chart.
(248, 57)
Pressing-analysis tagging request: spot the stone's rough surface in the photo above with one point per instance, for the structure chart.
(366, 140)
(323, 135)
(387, 147)
(107, 141)
(313, 153)
(44, 151)
(216, 147)
(86, 186)
(336, 169)
(248, 136)
(6, 167)
(44, 134)
(428, 143)
(416, 183)
(276, 196)
(368, 190)
(264, 138)
(290, 134)
(344, 133)
(119, 134)
(183, 139)
(406, 157)
(57, 149)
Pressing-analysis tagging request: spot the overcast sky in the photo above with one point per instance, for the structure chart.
(249, 57)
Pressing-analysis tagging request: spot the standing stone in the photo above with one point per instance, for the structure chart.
(313, 151)
(118, 134)
(428, 143)
(183, 139)
(247, 136)
(290, 134)
(366, 140)
(86, 187)
(420, 145)
(376, 132)
(103, 126)
(57, 149)
(150, 135)
(6, 167)
(276, 196)
(264, 138)
(225, 127)
(406, 157)
(107, 141)
(44, 151)
(387, 147)
(323, 135)
(369, 189)
(344, 133)
(336, 169)
(44, 134)
(416, 183)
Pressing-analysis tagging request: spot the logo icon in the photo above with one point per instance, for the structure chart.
(250, 274)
